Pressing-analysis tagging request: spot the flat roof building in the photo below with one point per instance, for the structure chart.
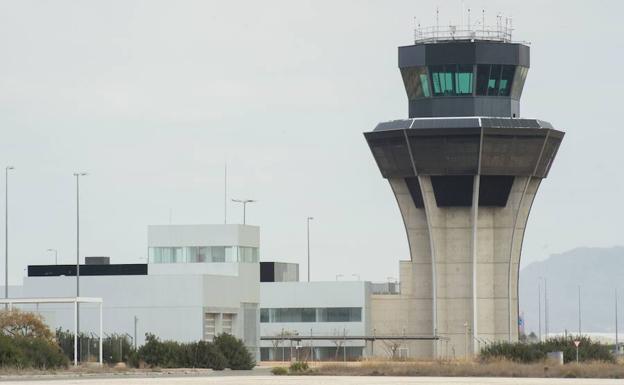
(200, 281)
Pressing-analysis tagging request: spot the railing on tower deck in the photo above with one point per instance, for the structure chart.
(500, 33)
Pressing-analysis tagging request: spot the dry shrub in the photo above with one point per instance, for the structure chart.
(15, 323)
(494, 368)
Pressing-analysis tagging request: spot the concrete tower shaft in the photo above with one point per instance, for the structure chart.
(464, 170)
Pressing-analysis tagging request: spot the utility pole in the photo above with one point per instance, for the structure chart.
(616, 323)
(579, 310)
(546, 307)
(78, 175)
(135, 332)
(539, 309)
(308, 227)
(6, 231)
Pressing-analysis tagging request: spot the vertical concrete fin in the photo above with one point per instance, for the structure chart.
(434, 295)
(475, 232)
(510, 321)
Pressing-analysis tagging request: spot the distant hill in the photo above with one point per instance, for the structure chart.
(597, 270)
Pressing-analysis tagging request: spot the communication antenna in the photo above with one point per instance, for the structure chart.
(437, 22)
(483, 20)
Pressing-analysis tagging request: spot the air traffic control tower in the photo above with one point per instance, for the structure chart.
(464, 168)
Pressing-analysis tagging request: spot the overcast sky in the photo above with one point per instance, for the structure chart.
(152, 98)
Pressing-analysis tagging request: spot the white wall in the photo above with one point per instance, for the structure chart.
(170, 306)
(316, 295)
(203, 235)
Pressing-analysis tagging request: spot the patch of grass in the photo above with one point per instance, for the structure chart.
(499, 368)
(279, 371)
(299, 367)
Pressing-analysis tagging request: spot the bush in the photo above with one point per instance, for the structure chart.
(170, 354)
(203, 354)
(235, 352)
(30, 352)
(299, 367)
(279, 371)
(527, 353)
(26, 342)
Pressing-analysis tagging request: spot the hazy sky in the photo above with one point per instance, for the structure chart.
(152, 97)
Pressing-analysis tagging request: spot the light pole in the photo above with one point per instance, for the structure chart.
(579, 310)
(78, 175)
(244, 202)
(308, 223)
(539, 308)
(6, 230)
(55, 255)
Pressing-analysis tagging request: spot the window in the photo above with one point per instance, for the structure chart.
(463, 79)
(217, 254)
(332, 314)
(264, 315)
(451, 79)
(227, 320)
(340, 314)
(248, 254)
(494, 79)
(518, 82)
(416, 82)
(209, 326)
(483, 73)
(202, 254)
(507, 75)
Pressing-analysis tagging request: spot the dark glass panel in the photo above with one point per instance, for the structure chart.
(416, 82)
(507, 76)
(483, 74)
(494, 79)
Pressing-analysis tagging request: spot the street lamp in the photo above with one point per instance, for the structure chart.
(55, 255)
(78, 175)
(308, 223)
(244, 202)
(6, 230)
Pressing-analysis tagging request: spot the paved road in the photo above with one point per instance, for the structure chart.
(313, 380)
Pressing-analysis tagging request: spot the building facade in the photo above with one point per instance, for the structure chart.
(336, 312)
(200, 281)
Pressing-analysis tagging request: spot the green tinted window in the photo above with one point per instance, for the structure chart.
(451, 79)
(483, 74)
(424, 81)
(504, 88)
(463, 79)
(494, 79)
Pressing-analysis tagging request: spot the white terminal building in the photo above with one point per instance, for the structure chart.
(204, 280)
(200, 281)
